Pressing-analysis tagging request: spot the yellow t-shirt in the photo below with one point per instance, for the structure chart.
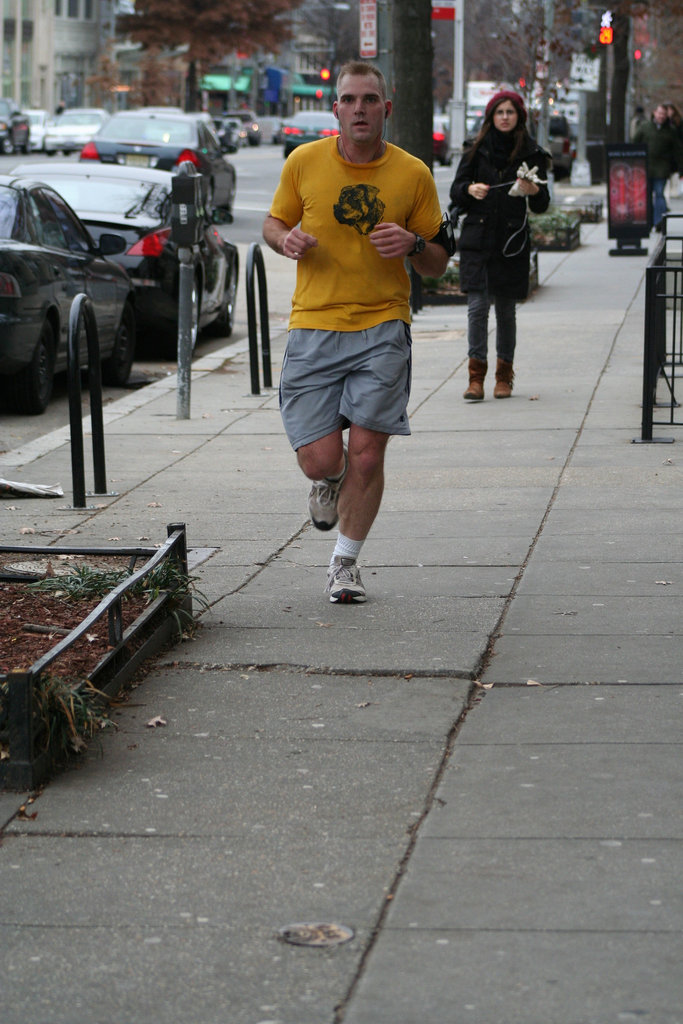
(343, 284)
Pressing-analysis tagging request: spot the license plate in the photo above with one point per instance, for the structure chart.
(137, 160)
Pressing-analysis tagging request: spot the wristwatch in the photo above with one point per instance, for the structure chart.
(419, 245)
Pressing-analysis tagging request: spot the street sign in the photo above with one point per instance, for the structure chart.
(368, 28)
(585, 73)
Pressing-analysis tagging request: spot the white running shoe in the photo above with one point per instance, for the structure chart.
(344, 584)
(323, 498)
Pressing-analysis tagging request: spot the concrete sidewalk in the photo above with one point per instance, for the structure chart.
(477, 771)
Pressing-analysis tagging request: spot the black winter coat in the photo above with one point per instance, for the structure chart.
(497, 223)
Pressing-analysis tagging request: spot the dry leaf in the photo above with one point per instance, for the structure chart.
(663, 583)
(483, 686)
(27, 529)
(533, 682)
(156, 721)
(533, 398)
(91, 637)
(153, 504)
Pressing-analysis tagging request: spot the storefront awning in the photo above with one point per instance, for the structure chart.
(224, 83)
(303, 89)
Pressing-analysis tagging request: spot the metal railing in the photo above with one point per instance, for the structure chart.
(255, 262)
(663, 336)
(29, 761)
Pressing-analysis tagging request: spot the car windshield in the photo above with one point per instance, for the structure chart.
(152, 129)
(129, 198)
(8, 211)
(80, 118)
(35, 118)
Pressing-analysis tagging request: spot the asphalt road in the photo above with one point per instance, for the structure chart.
(258, 170)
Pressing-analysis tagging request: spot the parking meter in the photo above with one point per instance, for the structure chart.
(187, 206)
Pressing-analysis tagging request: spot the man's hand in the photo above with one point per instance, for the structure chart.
(296, 244)
(291, 242)
(391, 241)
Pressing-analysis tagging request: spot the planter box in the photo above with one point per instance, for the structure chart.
(589, 211)
(562, 239)
(452, 296)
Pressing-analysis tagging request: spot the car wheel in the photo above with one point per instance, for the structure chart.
(30, 390)
(116, 369)
(222, 326)
(7, 146)
(51, 152)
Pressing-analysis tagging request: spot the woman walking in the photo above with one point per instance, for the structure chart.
(494, 240)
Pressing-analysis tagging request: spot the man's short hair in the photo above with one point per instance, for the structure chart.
(362, 67)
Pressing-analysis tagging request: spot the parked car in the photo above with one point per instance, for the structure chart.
(441, 136)
(47, 257)
(14, 129)
(250, 122)
(37, 123)
(307, 126)
(71, 130)
(561, 145)
(135, 138)
(136, 202)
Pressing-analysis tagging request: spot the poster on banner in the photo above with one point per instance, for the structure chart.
(629, 202)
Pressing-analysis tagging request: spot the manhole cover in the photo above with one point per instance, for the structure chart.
(317, 934)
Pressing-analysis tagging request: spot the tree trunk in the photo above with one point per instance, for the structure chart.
(620, 73)
(413, 56)
(191, 94)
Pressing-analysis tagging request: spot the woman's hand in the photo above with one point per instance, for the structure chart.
(478, 190)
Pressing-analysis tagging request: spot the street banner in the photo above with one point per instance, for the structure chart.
(629, 201)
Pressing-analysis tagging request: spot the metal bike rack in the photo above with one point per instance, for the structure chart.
(82, 312)
(255, 260)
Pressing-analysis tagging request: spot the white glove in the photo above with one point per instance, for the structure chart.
(528, 174)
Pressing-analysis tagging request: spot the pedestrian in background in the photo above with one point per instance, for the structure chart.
(664, 156)
(348, 210)
(675, 119)
(495, 240)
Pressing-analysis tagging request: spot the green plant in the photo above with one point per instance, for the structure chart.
(449, 279)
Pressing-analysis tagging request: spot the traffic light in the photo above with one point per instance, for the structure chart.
(325, 74)
(606, 31)
(637, 54)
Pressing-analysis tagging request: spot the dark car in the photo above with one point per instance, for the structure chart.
(136, 203)
(47, 257)
(14, 128)
(307, 126)
(138, 138)
(561, 145)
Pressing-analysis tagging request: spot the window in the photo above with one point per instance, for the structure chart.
(87, 10)
(45, 223)
(58, 8)
(76, 238)
(73, 8)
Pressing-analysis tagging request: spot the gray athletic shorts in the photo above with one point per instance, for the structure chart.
(330, 379)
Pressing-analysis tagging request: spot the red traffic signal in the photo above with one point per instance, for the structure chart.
(606, 35)
(637, 54)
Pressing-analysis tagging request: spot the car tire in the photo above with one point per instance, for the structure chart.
(116, 368)
(7, 146)
(30, 390)
(223, 325)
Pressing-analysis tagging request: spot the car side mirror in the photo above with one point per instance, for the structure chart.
(110, 244)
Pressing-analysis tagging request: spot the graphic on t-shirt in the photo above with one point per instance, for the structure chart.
(359, 207)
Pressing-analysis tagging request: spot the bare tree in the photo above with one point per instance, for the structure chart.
(209, 29)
